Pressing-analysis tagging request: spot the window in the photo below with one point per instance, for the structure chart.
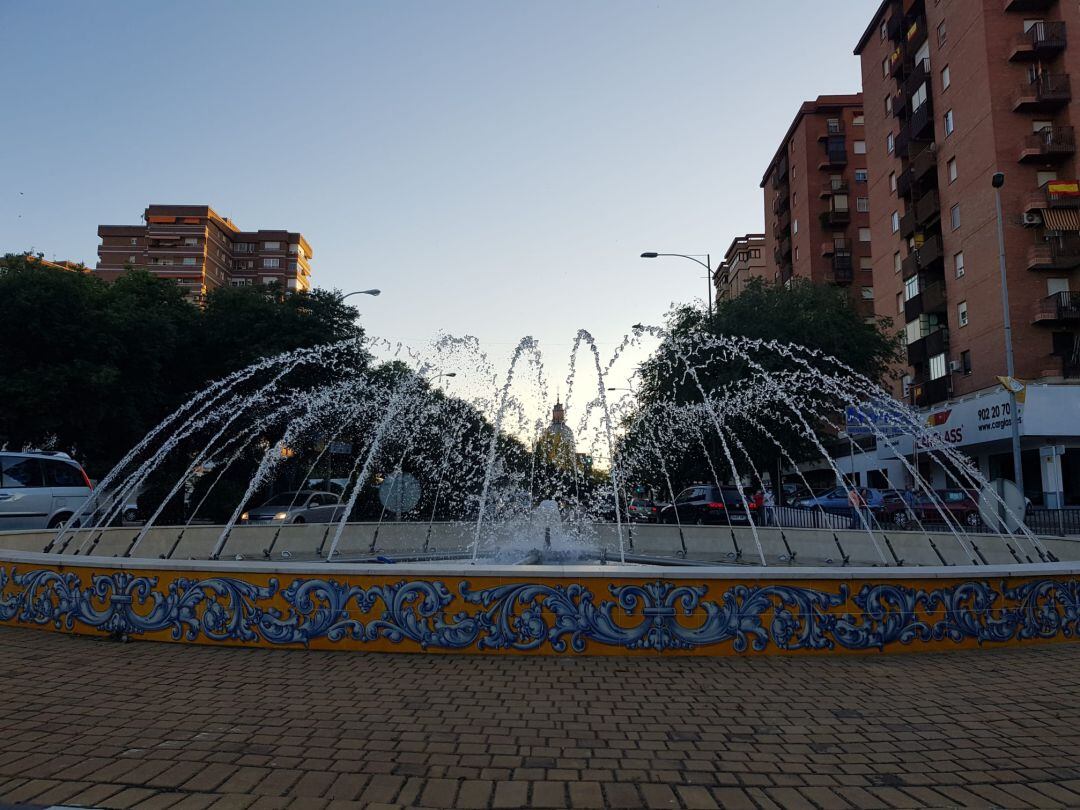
(962, 313)
(1042, 178)
(860, 175)
(906, 384)
(884, 30)
(890, 143)
(794, 198)
(899, 302)
(864, 234)
(271, 245)
(241, 282)
(888, 105)
(866, 263)
(131, 260)
(913, 331)
(62, 474)
(755, 253)
(134, 241)
(840, 202)
(1039, 126)
(189, 260)
(796, 253)
(965, 361)
(1029, 24)
(868, 293)
(885, 67)
(894, 222)
(950, 167)
(794, 170)
(862, 204)
(918, 98)
(954, 216)
(191, 241)
(937, 366)
(20, 472)
(941, 34)
(267, 263)
(897, 262)
(946, 78)
(794, 226)
(911, 288)
(859, 147)
(858, 120)
(892, 181)
(833, 125)
(958, 264)
(269, 280)
(950, 124)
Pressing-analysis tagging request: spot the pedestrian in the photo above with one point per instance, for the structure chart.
(758, 504)
(770, 508)
(856, 502)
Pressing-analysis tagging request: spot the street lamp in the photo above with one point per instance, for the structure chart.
(997, 181)
(372, 293)
(707, 264)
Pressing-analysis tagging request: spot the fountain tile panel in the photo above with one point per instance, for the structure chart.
(406, 612)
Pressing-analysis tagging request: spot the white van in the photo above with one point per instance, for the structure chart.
(40, 490)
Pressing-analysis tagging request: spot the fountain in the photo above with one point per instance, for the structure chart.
(518, 535)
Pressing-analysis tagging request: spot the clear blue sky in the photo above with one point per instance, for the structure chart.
(494, 167)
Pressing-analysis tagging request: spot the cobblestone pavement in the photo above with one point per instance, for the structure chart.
(97, 723)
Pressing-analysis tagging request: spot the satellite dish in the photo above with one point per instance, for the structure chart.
(399, 492)
(993, 512)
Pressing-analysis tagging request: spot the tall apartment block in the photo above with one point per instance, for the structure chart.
(199, 249)
(817, 204)
(956, 90)
(746, 259)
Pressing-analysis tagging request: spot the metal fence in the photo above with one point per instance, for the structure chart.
(1038, 519)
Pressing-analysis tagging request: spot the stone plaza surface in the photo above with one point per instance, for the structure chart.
(102, 724)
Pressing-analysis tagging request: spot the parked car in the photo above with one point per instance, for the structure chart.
(836, 500)
(641, 511)
(961, 504)
(707, 504)
(40, 490)
(303, 506)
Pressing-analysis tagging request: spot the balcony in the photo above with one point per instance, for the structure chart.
(1056, 253)
(903, 183)
(930, 299)
(1055, 194)
(1049, 145)
(915, 34)
(921, 125)
(923, 162)
(835, 154)
(832, 129)
(835, 216)
(1028, 5)
(1044, 40)
(894, 25)
(899, 104)
(782, 226)
(780, 203)
(924, 258)
(924, 348)
(902, 142)
(835, 246)
(920, 74)
(784, 246)
(779, 177)
(834, 187)
(1048, 92)
(929, 392)
(928, 208)
(898, 62)
(1059, 308)
(908, 224)
(842, 267)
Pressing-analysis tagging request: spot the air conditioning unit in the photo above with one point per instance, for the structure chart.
(1030, 219)
(954, 365)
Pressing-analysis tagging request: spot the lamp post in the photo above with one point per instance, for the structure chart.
(998, 180)
(707, 264)
(372, 293)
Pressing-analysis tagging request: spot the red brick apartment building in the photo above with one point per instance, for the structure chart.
(817, 224)
(200, 250)
(954, 91)
(746, 258)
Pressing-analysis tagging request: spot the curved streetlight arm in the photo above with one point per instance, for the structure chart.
(680, 255)
(372, 293)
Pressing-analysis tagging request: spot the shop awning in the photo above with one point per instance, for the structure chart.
(1061, 219)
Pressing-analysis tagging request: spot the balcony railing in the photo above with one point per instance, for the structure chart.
(1061, 306)
(1043, 40)
(1028, 5)
(908, 224)
(1054, 143)
(1055, 194)
(923, 258)
(834, 187)
(927, 208)
(929, 346)
(1046, 92)
(783, 225)
(902, 141)
(915, 35)
(930, 299)
(899, 104)
(833, 129)
(903, 183)
(894, 25)
(784, 245)
(929, 392)
(921, 125)
(1056, 253)
(919, 74)
(923, 162)
(835, 216)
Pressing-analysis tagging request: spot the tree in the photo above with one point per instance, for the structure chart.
(673, 421)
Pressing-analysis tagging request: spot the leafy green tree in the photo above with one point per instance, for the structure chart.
(670, 422)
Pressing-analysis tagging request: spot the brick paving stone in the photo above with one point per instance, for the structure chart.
(548, 794)
(31, 789)
(511, 794)
(585, 794)
(621, 795)
(126, 798)
(474, 794)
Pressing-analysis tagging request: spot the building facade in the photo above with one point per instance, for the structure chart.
(955, 91)
(745, 259)
(200, 250)
(817, 222)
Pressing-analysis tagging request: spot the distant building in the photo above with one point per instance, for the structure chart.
(817, 220)
(74, 267)
(200, 250)
(745, 259)
(556, 444)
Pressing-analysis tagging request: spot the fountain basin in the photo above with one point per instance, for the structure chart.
(454, 606)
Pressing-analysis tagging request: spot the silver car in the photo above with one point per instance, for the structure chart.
(40, 489)
(303, 506)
